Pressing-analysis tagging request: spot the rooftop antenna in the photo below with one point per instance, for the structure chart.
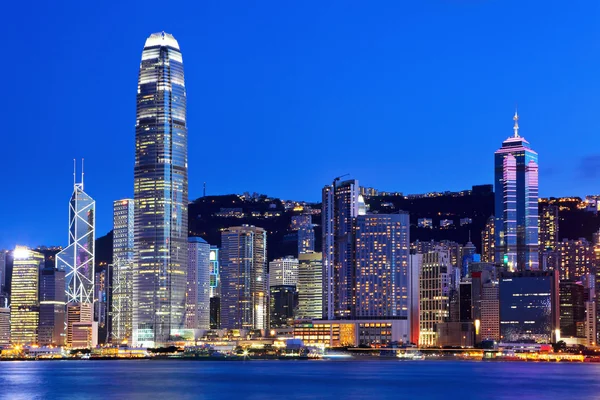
(516, 119)
(82, 174)
(74, 172)
(204, 191)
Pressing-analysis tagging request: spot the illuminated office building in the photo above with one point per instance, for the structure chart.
(197, 303)
(101, 296)
(160, 194)
(122, 279)
(215, 287)
(435, 284)
(340, 208)
(283, 271)
(25, 306)
(516, 203)
(529, 306)
(77, 259)
(244, 286)
(4, 326)
(82, 331)
(310, 286)
(382, 257)
(52, 299)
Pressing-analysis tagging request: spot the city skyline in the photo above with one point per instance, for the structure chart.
(366, 98)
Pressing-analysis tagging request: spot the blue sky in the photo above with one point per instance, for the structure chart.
(282, 96)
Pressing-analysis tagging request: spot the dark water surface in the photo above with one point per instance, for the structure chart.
(266, 380)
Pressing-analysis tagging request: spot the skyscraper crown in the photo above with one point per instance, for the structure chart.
(161, 39)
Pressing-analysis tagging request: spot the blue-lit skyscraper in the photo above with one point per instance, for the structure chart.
(516, 202)
(160, 194)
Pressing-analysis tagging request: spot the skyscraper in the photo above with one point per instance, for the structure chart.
(516, 202)
(306, 233)
(340, 208)
(77, 259)
(549, 239)
(160, 194)
(244, 278)
(310, 286)
(488, 241)
(197, 303)
(52, 307)
(435, 283)
(25, 306)
(283, 271)
(122, 282)
(382, 257)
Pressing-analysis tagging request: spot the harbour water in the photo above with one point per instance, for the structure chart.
(319, 379)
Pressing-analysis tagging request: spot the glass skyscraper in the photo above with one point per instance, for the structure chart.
(244, 285)
(516, 202)
(122, 282)
(77, 259)
(160, 194)
(340, 208)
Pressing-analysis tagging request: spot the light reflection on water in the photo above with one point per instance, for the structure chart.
(369, 379)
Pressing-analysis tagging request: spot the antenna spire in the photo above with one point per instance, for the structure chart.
(516, 127)
(82, 174)
(74, 172)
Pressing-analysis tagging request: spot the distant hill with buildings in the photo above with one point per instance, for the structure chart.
(434, 216)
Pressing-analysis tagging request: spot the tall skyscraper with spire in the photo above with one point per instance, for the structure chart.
(160, 194)
(77, 259)
(516, 203)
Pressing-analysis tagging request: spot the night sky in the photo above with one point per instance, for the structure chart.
(410, 96)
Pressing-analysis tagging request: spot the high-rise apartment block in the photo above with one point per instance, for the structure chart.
(516, 202)
(488, 251)
(576, 258)
(160, 194)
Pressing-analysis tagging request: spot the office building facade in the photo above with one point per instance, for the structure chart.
(197, 313)
(25, 306)
(382, 256)
(340, 208)
(516, 203)
(244, 285)
(160, 194)
(122, 279)
(310, 286)
(529, 306)
(283, 271)
(435, 284)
